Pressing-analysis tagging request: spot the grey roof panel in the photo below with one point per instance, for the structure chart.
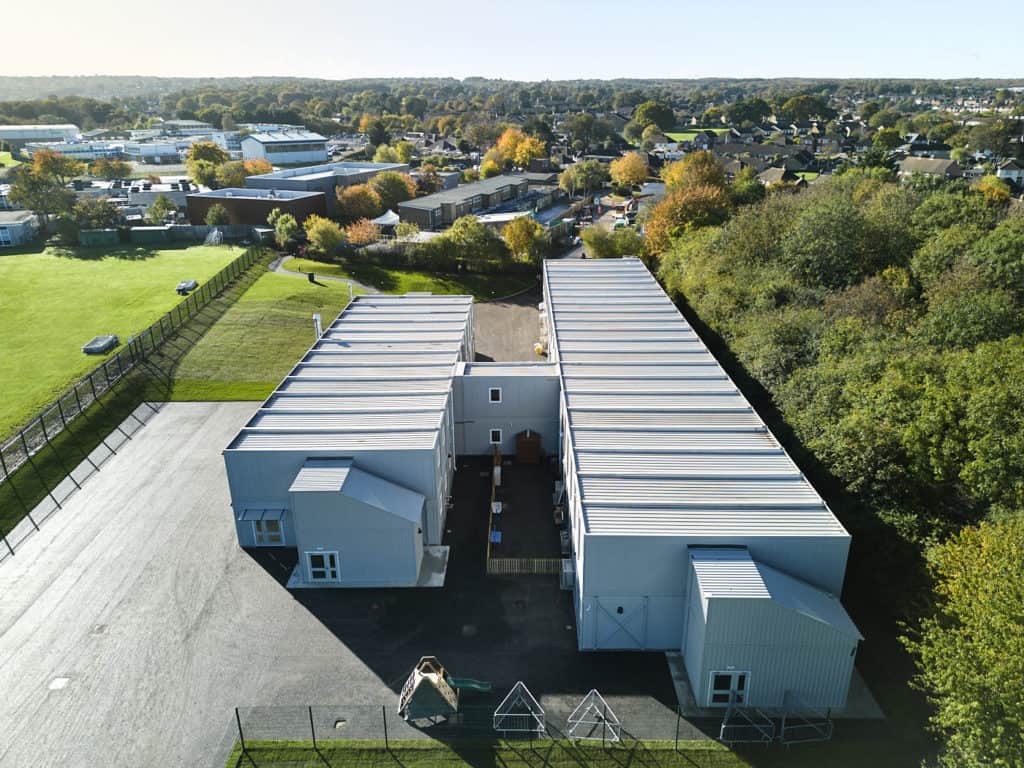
(662, 440)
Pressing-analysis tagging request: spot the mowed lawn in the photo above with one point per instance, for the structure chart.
(483, 287)
(247, 352)
(53, 302)
(511, 754)
(6, 161)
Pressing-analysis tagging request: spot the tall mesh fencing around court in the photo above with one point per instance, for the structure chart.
(20, 454)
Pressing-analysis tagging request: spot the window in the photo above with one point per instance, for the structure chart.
(323, 566)
(494, 394)
(5, 237)
(268, 533)
(495, 437)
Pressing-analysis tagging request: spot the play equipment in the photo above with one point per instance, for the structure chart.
(430, 693)
(519, 712)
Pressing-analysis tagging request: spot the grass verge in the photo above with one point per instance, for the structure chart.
(507, 754)
(57, 299)
(482, 287)
(247, 352)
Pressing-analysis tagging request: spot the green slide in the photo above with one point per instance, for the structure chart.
(469, 684)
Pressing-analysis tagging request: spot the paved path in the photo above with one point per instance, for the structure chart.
(277, 265)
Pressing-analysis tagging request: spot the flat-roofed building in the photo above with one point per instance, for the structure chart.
(442, 208)
(17, 227)
(253, 206)
(285, 147)
(326, 178)
(19, 135)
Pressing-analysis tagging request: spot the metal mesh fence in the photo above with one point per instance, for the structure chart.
(19, 450)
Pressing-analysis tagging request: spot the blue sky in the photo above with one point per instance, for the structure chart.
(524, 39)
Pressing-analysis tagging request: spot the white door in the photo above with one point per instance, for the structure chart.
(322, 566)
(728, 688)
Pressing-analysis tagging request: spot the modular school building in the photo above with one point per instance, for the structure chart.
(692, 530)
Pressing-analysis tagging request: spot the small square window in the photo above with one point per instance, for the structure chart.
(495, 437)
(494, 395)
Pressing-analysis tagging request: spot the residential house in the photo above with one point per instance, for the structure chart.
(929, 166)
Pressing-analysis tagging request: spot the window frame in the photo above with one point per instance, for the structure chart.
(256, 536)
(492, 441)
(490, 395)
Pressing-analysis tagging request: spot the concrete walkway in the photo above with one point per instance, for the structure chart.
(277, 265)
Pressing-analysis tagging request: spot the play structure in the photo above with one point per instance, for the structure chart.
(593, 719)
(430, 693)
(519, 712)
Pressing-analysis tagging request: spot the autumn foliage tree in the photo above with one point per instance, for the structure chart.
(110, 168)
(393, 188)
(630, 170)
(362, 232)
(524, 238)
(257, 166)
(696, 169)
(359, 201)
(684, 209)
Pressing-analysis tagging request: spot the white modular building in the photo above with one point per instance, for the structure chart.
(664, 459)
(351, 459)
(285, 147)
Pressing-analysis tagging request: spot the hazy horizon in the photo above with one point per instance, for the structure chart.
(541, 41)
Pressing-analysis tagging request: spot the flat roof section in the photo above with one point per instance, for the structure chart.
(663, 442)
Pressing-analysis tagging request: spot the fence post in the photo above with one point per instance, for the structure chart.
(384, 715)
(604, 724)
(312, 729)
(679, 715)
(241, 736)
(9, 545)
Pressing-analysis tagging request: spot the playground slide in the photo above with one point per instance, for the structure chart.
(469, 684)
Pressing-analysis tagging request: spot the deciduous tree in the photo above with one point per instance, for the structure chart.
(325, 236)
(393, 188)
(525, 238)
(362, 232)
(360, 201)
(217, 214)
(630, 170)
(696, 169)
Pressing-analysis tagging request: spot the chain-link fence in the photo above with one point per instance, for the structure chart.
(21, 454)
(289, 735)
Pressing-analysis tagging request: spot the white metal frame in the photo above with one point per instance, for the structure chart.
(593, 719)
(326, 568)
(491, 436)
(734, 673)
(490, 393)
(256, 538)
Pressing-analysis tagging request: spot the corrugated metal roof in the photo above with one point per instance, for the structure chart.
(726, 573)
(663, 441)
(319, 475)
(378, 379)
(340, 476)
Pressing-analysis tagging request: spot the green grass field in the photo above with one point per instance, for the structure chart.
(483, 287)
(517, 754)
(6, 161)
(258, 340)
(55, 301)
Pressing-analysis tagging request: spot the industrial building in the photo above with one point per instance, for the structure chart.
(442, 208)
(253, 206)
(325, 178)
(664, 462)
(690, 529)
(285, 147)
(14, 136)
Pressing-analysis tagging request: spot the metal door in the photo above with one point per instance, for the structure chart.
(621, 622)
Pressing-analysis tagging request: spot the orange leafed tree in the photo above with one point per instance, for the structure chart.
(257, 166)
(362, 232)
(684, 209)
